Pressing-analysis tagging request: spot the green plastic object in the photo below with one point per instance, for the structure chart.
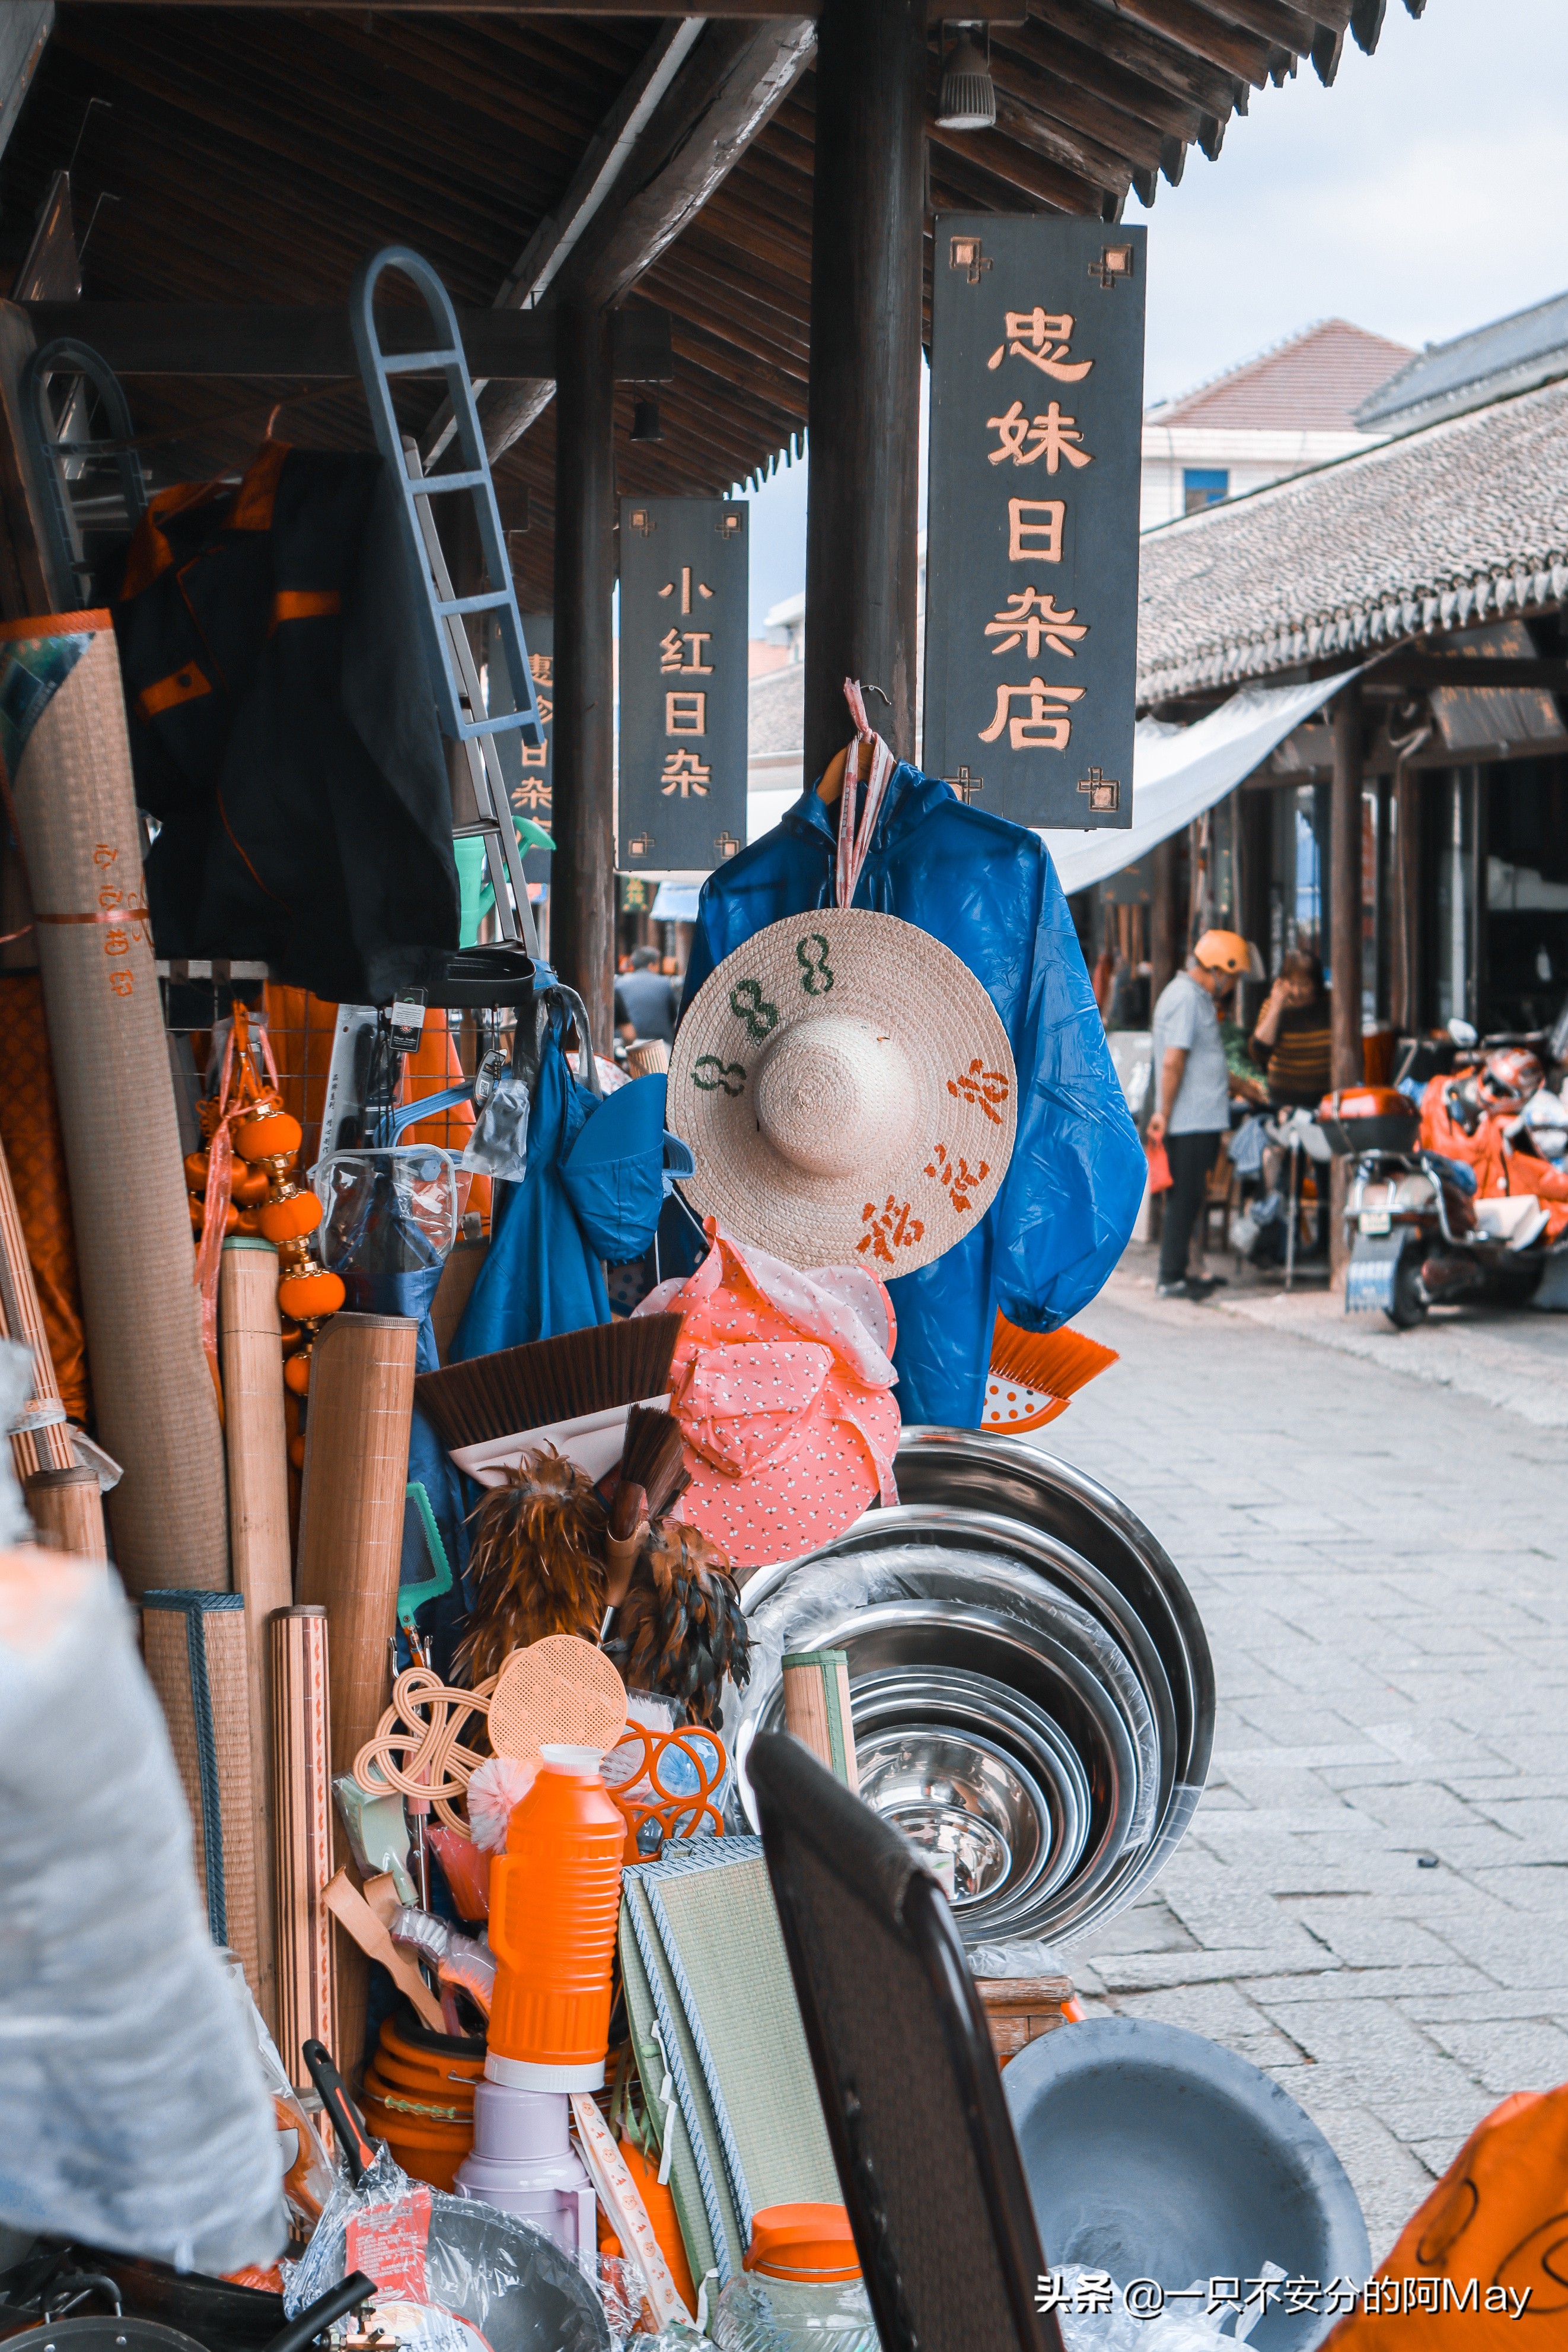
(476, 897)
(377, 1832)
(412, 1597)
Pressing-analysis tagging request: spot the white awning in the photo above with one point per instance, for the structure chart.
(1179, 771)
(675, 902)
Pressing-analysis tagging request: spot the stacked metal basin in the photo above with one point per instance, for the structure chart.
(1032, 1687)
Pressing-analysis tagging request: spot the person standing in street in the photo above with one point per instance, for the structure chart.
(645, 1001)
(1192, 1104)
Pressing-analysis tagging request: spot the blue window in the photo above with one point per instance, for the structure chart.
(1204, 486)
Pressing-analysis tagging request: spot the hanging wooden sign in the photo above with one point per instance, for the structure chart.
(528, 768)
(684, 587)
(1031, 582)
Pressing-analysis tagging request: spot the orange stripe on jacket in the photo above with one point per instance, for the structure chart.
(186, 684)
(303, 604)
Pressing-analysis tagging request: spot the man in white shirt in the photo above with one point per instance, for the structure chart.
(1192, 1104)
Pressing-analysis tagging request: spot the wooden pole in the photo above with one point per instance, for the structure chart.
(1345, 932)
(863, 514)
(1167, 942)
(67, 1509)
(582, 883)
(350, 1549)
(250, 1354)
(302, 1805)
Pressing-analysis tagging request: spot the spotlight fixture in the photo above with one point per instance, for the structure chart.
(969, 93)
(645, 425)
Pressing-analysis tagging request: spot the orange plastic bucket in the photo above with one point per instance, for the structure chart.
(555, 1901)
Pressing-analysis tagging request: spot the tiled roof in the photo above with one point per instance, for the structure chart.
(1313, 384)
(1464, 522)
(1510, 355)
(778, 708)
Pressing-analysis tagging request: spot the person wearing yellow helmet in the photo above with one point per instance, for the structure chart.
(1192, 1107)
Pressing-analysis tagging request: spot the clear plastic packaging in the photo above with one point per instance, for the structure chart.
(455, 2256)
(768, 2314)
(135, 2113)
(1095, 2316)
(306, 2167)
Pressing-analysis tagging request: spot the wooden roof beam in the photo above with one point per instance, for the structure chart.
(1017, 168)
(1061, 101)
(314, 340)
(1235, 51)
(1148, 55)
(728, 83)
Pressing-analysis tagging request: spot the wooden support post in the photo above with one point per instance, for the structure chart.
(1345, 932)
(863, 514)
(582, 887)
(1167, 942)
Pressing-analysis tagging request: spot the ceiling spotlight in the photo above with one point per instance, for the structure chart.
(645, 425)
(969, 93)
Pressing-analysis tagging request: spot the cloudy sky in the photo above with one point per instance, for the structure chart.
(1420, 197)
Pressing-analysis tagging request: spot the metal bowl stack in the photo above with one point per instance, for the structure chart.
(1031, 1688)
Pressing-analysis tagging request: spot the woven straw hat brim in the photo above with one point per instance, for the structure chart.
(945, 1114)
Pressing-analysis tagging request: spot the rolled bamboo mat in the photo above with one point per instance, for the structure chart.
(67, 1509)
(48, 1448)
(68, 763)
(250, 1352)
(35, 1153)
(817, 1709)
(302, 1811)
(350, 1549)
(194, 1644)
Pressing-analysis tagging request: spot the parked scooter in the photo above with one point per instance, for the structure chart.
(1418, 1230)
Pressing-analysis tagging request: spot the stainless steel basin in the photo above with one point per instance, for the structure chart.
(1029, 1681)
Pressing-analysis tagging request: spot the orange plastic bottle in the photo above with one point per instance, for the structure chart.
(555, 1901)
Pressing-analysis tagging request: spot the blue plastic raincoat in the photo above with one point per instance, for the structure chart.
(987, 889)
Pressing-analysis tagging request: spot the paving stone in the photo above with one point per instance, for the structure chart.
(1394, 1683)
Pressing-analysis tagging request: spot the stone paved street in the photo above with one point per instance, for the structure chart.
(1373, 1900)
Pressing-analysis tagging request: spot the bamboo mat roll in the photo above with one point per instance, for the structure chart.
(302, 1811)
(67, 1509)
(350, 1550)
(250, 1348)
(62, 736)
(194, 1644)
(49, 1447)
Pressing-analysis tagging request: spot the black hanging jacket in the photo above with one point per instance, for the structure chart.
(282, 727)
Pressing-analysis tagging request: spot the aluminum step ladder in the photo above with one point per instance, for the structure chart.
(459, 701)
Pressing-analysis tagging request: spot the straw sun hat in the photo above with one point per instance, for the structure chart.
(847, 1089)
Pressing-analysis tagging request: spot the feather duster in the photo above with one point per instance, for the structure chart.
(680, 1629)
(538, 1562)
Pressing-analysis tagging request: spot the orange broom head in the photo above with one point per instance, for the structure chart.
(1034, 1374)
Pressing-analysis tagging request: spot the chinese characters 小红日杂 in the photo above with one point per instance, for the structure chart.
(1048, 724)
(1026, 439)
(702, 589)
(686, 714)
(685, 773)
(1030, 620)
(674, 655)
(1041, 337)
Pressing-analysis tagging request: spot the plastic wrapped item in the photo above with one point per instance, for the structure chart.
(503, 2277)
(135, 2113)
(461, 1963)
(766, 2315)
(392, 1211)
(377, 1832)
(306, 2167)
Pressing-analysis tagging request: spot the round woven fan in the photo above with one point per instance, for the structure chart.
(560, 1689)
